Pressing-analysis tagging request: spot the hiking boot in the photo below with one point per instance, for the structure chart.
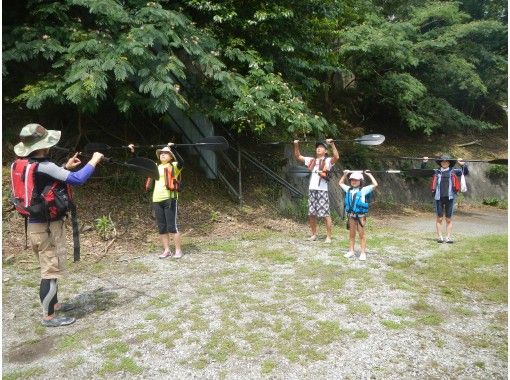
(328, 240)
(65, 307)
(58, 321)
(349, 254)
(363, 256)
(165, 255)
(312, 238)
(449, 241)
(440, 240)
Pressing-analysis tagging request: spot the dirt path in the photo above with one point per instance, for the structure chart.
(476, 222)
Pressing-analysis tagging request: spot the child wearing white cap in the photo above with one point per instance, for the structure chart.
(356, 208)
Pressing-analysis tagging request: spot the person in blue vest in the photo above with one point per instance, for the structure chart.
(356, 208)
(318, 195)
(445, 186)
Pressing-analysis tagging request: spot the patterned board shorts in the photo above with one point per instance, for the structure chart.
(318, 203)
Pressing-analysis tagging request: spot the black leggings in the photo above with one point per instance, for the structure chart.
(48, 294)
(166, 216)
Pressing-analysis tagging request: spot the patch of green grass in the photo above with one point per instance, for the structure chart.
(227, 246)
(473, 264)
(39, 329)
(220, 346)
(464, 311)
(123, 365)
(151, 316)
(398, 280)
(197, 322)
(479, 364)
(313, 305)
(23, 374)
(75, 362)
(277, 256)
(160, 301)
(359, 308)
(98, 268)
(430, 320)
(360, 334)
(268, 366)
(256, 235)
(392, 325)
(169, 340)
(115, 349)
(113, 333)
(200, 363)
(139, 267)
(342, 300)
(401, 312)
(403, 264)
(76, 340)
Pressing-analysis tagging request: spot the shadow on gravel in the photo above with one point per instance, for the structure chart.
(89, 302)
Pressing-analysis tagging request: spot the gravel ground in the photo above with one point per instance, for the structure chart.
(264, 305)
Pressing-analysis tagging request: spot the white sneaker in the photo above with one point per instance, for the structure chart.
(363, 256)
(328, 240)
(349, 254)
(312, 238)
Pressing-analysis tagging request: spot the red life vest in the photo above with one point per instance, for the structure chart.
(172, 183)
(323, 173)
(52, 203)
(454, 179)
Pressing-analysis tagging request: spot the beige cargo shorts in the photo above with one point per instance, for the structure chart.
(50, 249)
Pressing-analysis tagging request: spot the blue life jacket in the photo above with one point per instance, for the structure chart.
(356, 206)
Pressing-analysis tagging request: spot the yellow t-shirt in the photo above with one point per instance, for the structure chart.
(161, 193)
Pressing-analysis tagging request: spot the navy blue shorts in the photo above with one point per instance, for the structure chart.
(166, 216)
(444, 207)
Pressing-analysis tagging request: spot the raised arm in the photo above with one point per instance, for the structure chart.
(180, 161)
(297, 153)
(463, 167)
(424, 162)
(336, 155)
(342, 179)
(374, 182)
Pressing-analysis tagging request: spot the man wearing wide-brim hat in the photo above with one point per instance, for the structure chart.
(45, 230)
(444, 187)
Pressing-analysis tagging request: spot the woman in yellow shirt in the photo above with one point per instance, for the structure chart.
(164, 198)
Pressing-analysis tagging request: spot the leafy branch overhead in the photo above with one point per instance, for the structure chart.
(144, 57)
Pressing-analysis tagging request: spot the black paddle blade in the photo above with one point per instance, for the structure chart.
(214, 143)
(143, 166)
(499, 161)
(298, 171)
(96, 147)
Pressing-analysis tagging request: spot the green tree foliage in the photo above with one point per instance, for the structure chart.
(434, 68)
(143, 56)
(266, 65)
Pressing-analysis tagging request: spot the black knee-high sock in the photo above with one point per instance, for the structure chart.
(48, 295)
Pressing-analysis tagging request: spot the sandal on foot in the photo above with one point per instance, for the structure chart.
(177, 255)
(165, 254)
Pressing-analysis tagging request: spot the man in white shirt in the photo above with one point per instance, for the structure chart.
(318, 196)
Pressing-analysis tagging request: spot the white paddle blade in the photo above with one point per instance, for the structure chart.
(374, 139)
